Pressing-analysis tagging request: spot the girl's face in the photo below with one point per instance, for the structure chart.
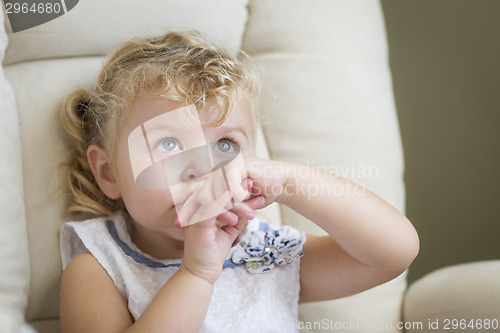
(168, 130)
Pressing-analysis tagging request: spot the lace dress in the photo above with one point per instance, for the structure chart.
(257, 291)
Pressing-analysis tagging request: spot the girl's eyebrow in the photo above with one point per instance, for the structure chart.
(238, 129)
(159, 127)
(172, 127)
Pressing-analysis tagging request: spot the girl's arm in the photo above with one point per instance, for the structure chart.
(90, 302)
(369, 241)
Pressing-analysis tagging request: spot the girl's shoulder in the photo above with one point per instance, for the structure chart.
(77, 237)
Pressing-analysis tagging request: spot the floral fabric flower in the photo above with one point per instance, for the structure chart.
(261, 251)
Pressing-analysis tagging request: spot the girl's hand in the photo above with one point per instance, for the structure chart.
(269, 179)
(207, 241)
(245, 208)
(267, 183)
(206, 245)
(221, 190)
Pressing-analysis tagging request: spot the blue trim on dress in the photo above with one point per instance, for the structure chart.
(110, 225)
(131, 253)
(263, 226)
(229, 264)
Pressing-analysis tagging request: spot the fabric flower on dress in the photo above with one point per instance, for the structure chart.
(263, 250)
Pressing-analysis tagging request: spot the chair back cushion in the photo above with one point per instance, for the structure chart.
(328, 102)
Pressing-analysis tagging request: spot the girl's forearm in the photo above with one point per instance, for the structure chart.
(180, 306)
(365, 226)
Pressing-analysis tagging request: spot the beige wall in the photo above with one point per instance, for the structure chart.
(445, 58)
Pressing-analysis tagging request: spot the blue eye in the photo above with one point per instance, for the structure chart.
(168, 145)
(226, 146)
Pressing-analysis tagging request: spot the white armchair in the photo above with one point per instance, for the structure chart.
(327, 101)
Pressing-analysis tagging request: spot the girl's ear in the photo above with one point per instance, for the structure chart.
(103, 174)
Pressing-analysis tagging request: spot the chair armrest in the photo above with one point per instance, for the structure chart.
(459, 298)
(12, 321)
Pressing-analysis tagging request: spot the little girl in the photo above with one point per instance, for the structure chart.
(174, 112)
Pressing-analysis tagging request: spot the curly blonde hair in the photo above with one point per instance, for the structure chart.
(200, 72)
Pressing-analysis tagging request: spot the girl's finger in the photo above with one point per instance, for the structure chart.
(249, 184)
(228, 218)
(238, 189)
(211, 188)
(234, 230)
(187, 210)
(257, 202)
(244, 211)
(218, 206)
(201, 201)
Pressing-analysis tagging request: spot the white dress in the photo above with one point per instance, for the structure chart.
(257, 291)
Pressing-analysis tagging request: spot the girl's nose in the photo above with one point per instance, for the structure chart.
(196, 170)
(196, 164)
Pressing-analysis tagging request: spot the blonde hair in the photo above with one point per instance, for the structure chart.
(201, 73)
